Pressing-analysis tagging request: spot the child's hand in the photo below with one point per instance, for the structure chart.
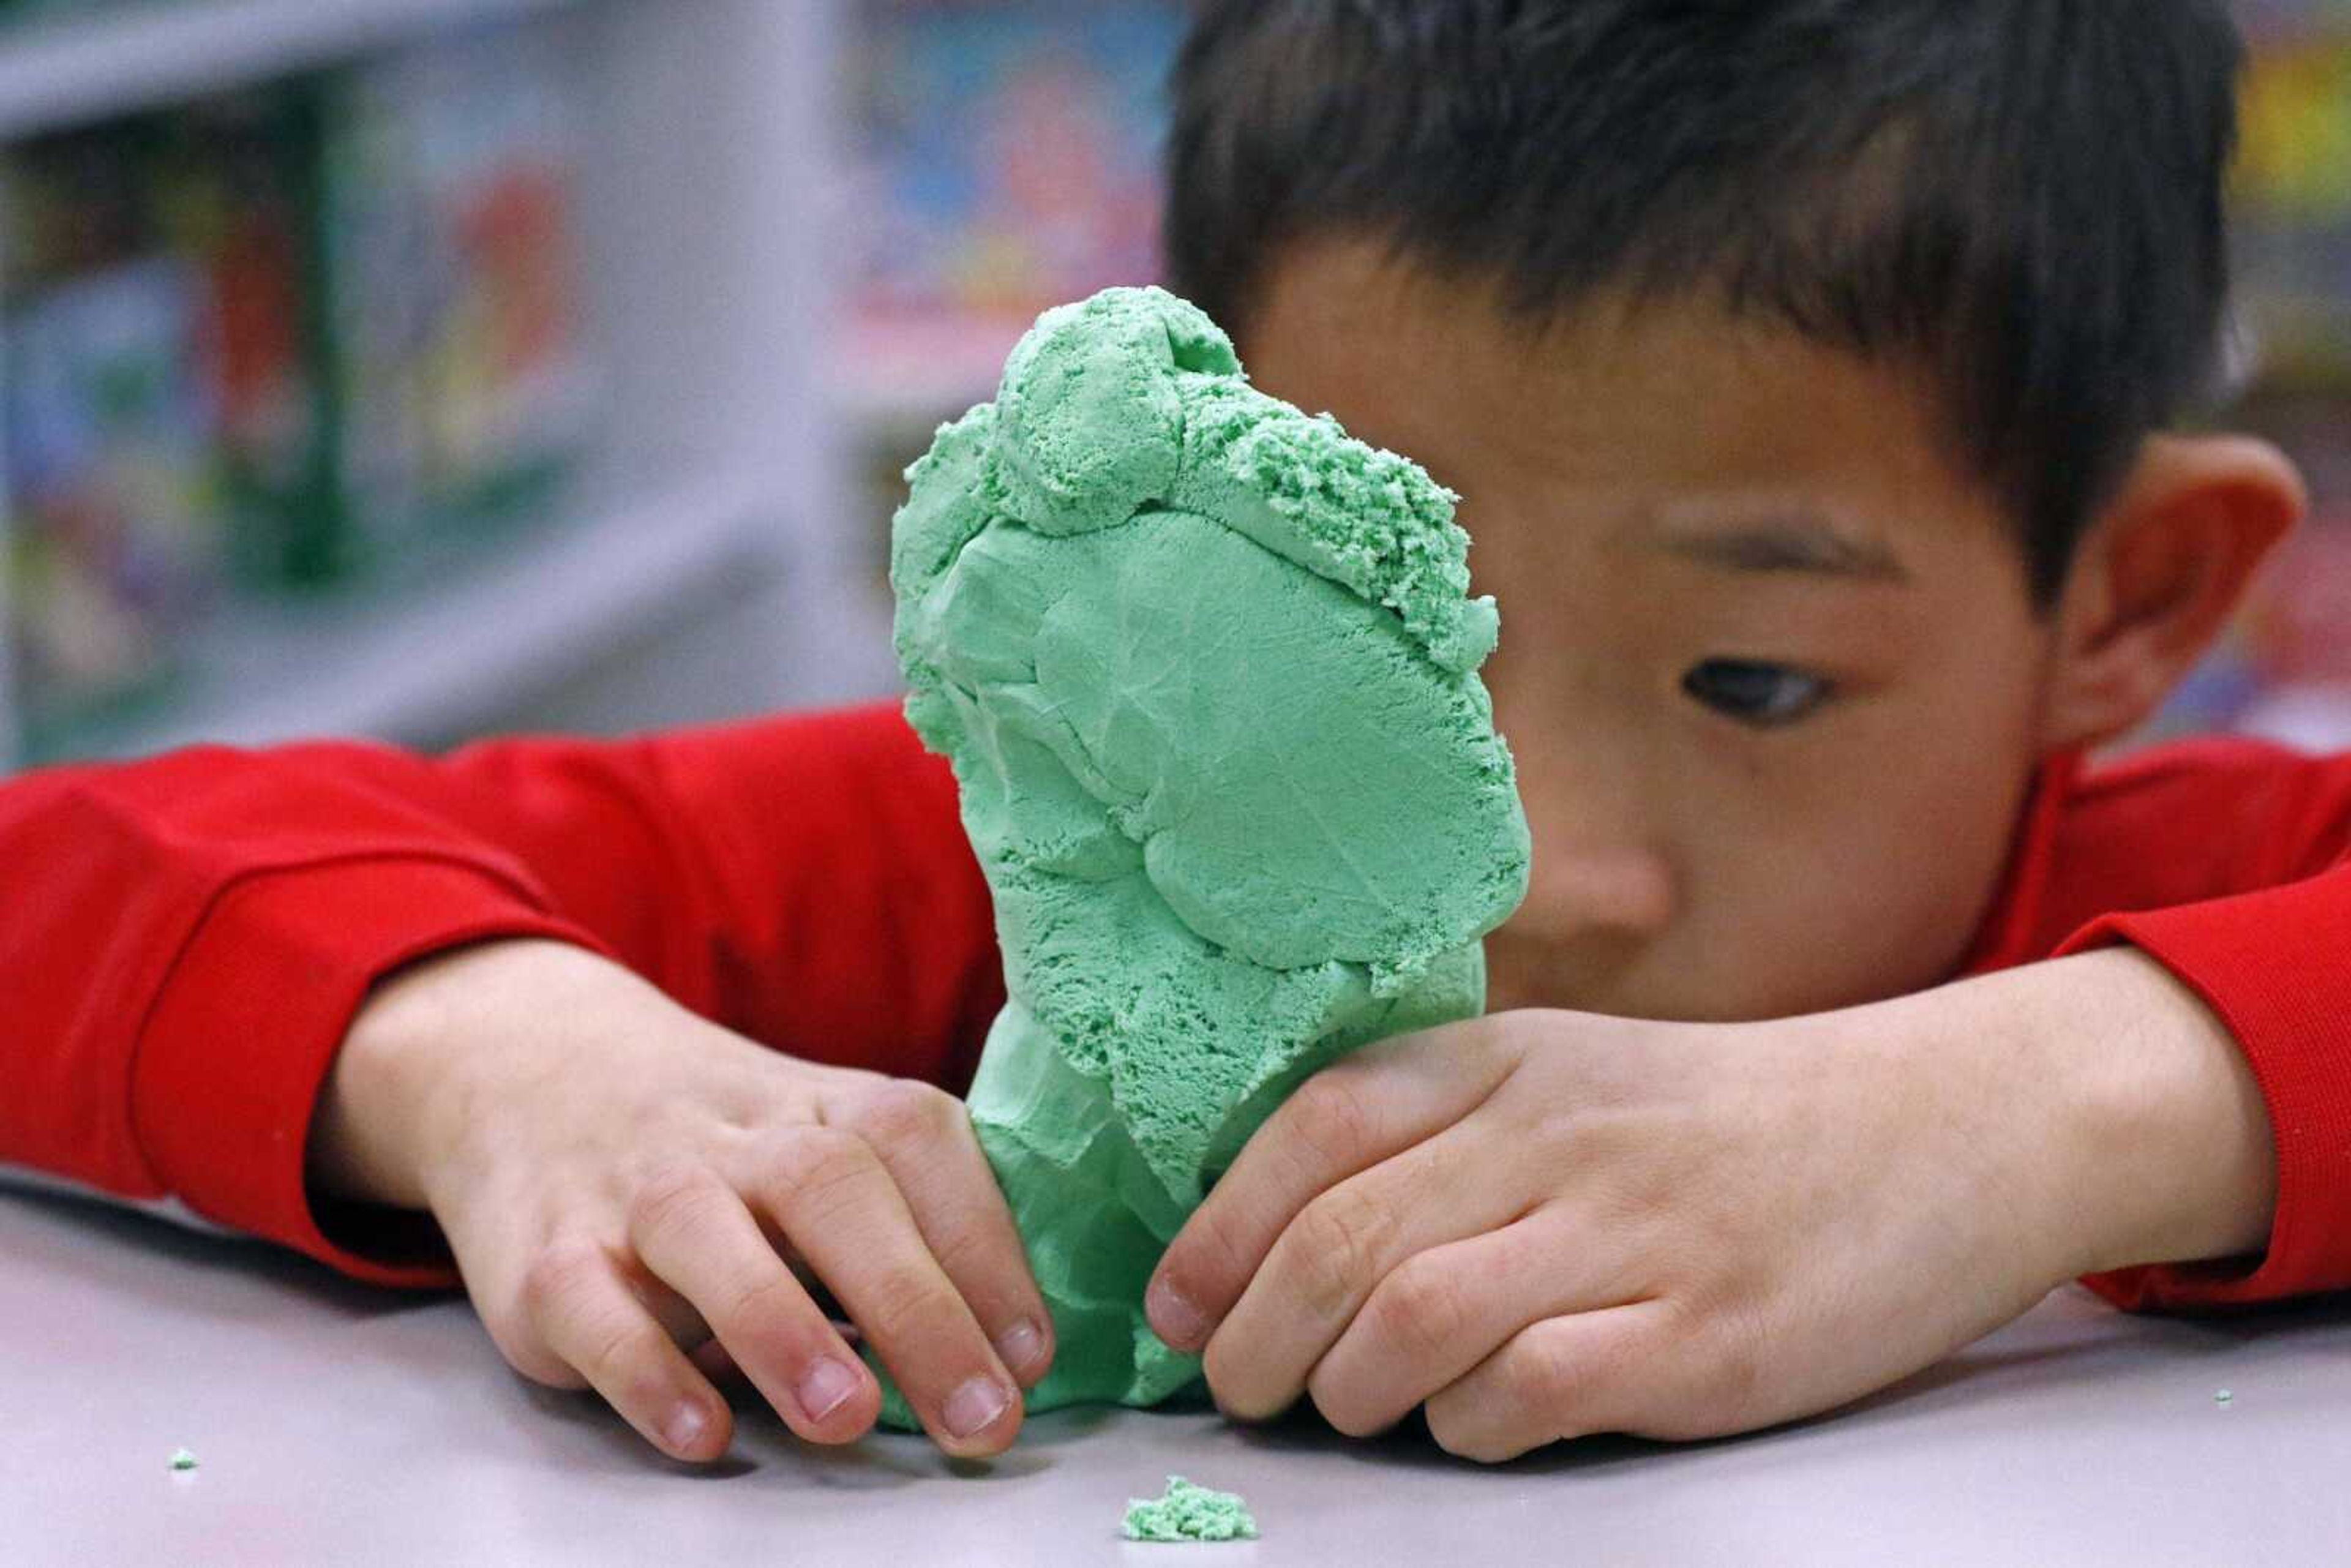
(617, 1176)
(1549, 1224)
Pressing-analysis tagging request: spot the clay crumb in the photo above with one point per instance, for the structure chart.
(1188, 1512)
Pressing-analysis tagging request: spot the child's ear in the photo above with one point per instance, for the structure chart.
(2159, 575)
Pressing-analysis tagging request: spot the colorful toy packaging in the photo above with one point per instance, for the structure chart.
(302, 337)
(115, 516)
(1010, 151)
(452, 309)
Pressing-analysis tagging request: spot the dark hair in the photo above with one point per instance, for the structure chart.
(2021, 196)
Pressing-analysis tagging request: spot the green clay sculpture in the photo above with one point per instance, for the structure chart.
(1206, 671)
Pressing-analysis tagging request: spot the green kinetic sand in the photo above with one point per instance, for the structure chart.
(1206, 670)
(1189, 1513)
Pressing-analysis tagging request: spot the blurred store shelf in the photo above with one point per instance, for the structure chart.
(704, 565)
(430, 661)
(74, 69)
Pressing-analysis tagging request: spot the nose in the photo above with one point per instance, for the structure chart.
(1594, 908)
(1585, 889)
(1598, 798)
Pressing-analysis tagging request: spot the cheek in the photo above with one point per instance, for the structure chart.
(1881, 853)
(1809, 870)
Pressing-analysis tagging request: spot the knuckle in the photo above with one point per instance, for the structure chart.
(757, 1302)
(1340, 1241)
(1544, 1377)
(1419, 1312)
(673, 1199)
(559, 1272)
(816, 1165)
(613, 1350)
(969, 1253)
(903, 1302)
(1333, 1118)
(905, 1113)
(1510, 1038)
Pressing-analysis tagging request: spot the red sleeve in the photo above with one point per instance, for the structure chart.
(185, 939)
(2273, 961)
(803, 880)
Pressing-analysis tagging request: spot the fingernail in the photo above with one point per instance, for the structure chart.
(685, 1423)
(1173, 1318)
(1019, 1343)
(824, 1388)
(971, 1409)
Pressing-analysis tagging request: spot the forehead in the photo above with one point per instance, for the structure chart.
(1648, 419)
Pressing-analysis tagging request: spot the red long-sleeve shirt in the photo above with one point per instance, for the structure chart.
(183, 941)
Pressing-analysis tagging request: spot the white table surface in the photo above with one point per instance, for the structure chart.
(335, 1424)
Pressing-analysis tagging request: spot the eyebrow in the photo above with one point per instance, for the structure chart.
(1795, 543)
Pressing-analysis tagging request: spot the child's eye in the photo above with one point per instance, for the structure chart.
(1764, 696)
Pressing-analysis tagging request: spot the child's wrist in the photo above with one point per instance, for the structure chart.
(2165, 1135)
(372, 1133)
(356, 1153)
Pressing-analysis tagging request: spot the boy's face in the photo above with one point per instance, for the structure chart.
(1767, 662)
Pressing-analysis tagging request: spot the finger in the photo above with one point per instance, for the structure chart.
(1343, 1120)
(925, 1140)
(1438, 1314)
(830, 1194)
(677, 1316)
(711, 1359)
(1344, 1244)
(691, 1230)
(683, 1323)
(590, 1319)
(1562, 1378)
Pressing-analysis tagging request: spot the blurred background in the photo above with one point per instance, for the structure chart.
(417, 367)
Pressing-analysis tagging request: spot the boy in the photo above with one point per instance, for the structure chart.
(1804, 366)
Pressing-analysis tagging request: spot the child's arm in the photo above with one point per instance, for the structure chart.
(188, 939)
(2258, 936)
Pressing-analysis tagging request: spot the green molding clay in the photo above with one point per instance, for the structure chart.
(184, 1460)
(1206, 671)
(1187, 1512)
